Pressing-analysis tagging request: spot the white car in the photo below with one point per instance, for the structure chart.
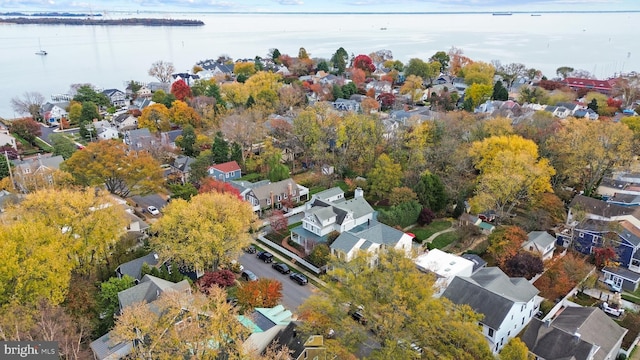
(153, 210)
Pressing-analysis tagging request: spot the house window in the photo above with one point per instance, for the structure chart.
(285, 195)
(268, 201)
(227, 174)
(490, 333)
(279, 198)
(522, 321)
(581, 234)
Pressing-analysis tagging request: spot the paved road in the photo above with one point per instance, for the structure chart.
(46, 131)
(292, 294)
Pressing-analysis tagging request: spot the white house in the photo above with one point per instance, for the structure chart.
(444, 266)
(371, 238)
(540, 242)
(7, 139)
(508, 304)
(104, 130)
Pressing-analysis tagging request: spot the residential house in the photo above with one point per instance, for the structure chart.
(329, 211)
(53, 113)
(141, 103)
(147, 290)
(602, 86)
(168, 138)
(467, 219)
(265, 194)
(620, 278)
(300, 347)
(586, 113)
(125, 122)
(601, 224)
(36, 172)
(580, 333)
(507, 304)
(7, 139)
(346, 105)
(186, 77)
(540, 242)
(609, 187)
(372, 238)
(156, 85)
(140, 139)
(264, 325)
(379, 86)
(558, 111)
(181, 167)
(116, 97)
(216, 67)
(225, 172)
(144, 92)
(133, 268)
(444, 266)
(104, 130)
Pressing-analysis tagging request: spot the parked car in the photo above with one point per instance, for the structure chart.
(281, 268)
(248, 275)
(359, 317)
(265, 256)
(299, 278)
(153, 210)
(250, 249)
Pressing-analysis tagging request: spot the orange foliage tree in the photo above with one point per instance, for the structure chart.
(262, 293)
(211, 184)
(358, 76)
(562, 276)
(505, 242)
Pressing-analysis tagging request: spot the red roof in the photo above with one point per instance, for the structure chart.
(588, 83)
(227, 167)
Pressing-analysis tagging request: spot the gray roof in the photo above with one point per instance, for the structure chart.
(276, 188)
(183, 163)
(133, 268)
(490, 292)
(51, 162)
(627, 274)
(597, 332)
(172, 135)
(541, 238)
(478, 262)
(345, 242)
(291, 338)
(148, 290)
(358, 206)
(329, 193)
(375, 233)
(629, 199)
(104, 348)
(599, 207)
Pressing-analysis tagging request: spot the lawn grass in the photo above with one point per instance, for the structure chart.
(317, 189)
(444, 240)
(424, 232)
(584, 299)
(631, 322)
(294, 225)
(43, 145)
(251, 177)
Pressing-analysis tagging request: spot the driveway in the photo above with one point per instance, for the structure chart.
(292, 294)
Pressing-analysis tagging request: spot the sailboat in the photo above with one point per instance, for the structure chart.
(40, 52)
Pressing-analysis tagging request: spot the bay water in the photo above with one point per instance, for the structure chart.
(604, 44)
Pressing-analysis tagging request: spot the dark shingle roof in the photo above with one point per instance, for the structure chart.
(133, 268)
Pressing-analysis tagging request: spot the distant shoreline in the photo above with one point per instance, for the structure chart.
(89, 21)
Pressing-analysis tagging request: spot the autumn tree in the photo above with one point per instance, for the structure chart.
(412, 86)
(605, 257)
(204, 232)
(478, 94)
(457, 61)
(584, 151)
(155, 117)
(26, 128)
(358, 138)
(183, 324)
(364, 63)
(278, 222)
(222, 278)
(398, 302)
(181, 113)
(180, 90)
(399, 195)
(109, 162)
(262, 293)
(562, 276)
(515, 349)
(505, 242)
(533, 95)
(162, 71)
(244, 69)
(524, 264)
(30, 103)
(369, 105)
(442, 58)
(511, 172)
(212, 185)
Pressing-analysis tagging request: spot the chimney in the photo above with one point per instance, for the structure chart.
(358, 193)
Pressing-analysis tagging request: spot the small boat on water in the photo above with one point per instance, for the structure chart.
(536, 14)
(41, 52)
(502, 14)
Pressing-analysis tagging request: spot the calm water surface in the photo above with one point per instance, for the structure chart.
(108, 56)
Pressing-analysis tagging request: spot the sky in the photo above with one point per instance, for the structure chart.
(381, 6)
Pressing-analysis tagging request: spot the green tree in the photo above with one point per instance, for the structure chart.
(220, 149)
(62, 145)
(397, 300)
(4, 167)
(336, 91)
(323, 65)
(236, 153)
(275, 55)
(514, 350)
(108, 302)
(593, 105)
(443, 58)
(204, 232)
(187, 141)
(89, 112)
(416, 67)
(339, 60)
(86, 94)
(431, 192)
(402, 215)
(564, 71)
(320, 255)
(180, 191)
(500, 92)
(349, 89)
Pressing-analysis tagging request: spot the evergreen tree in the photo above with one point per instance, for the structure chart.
(323, 66)
(187, 141)
(275, 55)
(250, 101)
(236, 153)
(213, 90)
(431, 192)
(337, 92)
(500, 92)
(220, 149)
(593, 105)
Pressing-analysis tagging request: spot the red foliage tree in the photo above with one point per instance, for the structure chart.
(262, 293)
(614, 103)
(135, 112)
(211, 184)
(180, 90)
(524, 264)
(285, 60)
(604, 256)
(12, 153)
(27, 128)
(551, 85)
(364, 63)
(386, 100)
(221, 278)
(426, 216)
(278, 222)
(358, 77)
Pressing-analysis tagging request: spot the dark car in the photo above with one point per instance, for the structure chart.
(249, 275)
(281, 268)
(265, 256)
(250, 249)
(359, 317)
(299, 278)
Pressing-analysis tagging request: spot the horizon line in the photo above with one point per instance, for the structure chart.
(333, 12)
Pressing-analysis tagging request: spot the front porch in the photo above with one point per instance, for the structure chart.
(306, 238)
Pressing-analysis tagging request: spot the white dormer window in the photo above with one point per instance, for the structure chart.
(268, 201)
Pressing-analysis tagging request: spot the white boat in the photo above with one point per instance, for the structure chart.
(41, 52)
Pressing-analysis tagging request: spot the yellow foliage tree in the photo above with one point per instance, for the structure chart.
(155, 117)
(181, 113)
(514, 350)
(385, 176)
(110, 163)
(511, 172)
(235, 93)
(244, 68)
(479, 93)
(413, 86)
(479, 73)
(209, 229)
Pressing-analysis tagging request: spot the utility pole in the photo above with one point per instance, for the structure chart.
(6, 157)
